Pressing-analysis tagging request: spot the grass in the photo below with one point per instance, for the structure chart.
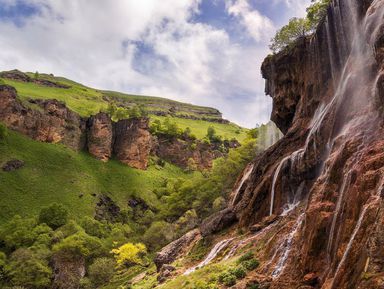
(199, 128)
(53, 173)
(87, 101)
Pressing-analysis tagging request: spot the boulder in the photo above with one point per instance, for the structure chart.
(217, 222)
(12, 165)
(175, 249)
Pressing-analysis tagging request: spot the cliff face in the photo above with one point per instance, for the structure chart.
(129, 139)
(324, 178)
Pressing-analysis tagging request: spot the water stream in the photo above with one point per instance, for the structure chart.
(245, 177)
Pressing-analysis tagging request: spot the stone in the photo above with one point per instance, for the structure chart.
(169, 253)
(12, 165)
(217, 222)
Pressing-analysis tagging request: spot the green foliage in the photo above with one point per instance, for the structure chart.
(212, 135)
(299, 27)
(251, 264)
(316, 12)
(55, 216)
(18, 232)
(246, 257)
(3, 131)
(287, 35)
(227, 278)
(26, 269)
(36, 75)
(101, 271)
(158, 234)
(238, 272)
(93, 227)
(204, 285)
(253, 286)
(77, 246)
(130, 254)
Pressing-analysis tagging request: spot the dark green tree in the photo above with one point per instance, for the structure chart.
(55, 216)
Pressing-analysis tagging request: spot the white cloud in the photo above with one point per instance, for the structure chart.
(146, 47)
(257, 25)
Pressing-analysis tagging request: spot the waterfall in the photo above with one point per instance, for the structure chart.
(245, 177)
(212, 255)
(286, 245)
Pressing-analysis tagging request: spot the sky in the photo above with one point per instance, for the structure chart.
(205, 52)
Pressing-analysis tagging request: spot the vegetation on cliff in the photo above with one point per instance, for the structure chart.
(299, 27)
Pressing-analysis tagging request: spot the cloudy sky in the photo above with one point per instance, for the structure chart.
(206, 52)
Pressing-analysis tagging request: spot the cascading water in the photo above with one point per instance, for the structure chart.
(245, 177)
(212, 255)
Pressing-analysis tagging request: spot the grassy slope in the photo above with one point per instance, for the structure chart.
(87, 101)
(53, 173)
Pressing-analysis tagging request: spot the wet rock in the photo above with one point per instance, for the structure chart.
(311, 279)
(175, 249)
(12, 165)
(264, 223)
(218, 222)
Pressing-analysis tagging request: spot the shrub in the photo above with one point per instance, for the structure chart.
(239, 272)
(158, 234)
(18, 232)
(25, 269)
(78, 245)
(101, 271)
(253, 286)
(227, 279)
(54, 216)
(251, 264)
(130, 254)
(247, 256)
(93, 227)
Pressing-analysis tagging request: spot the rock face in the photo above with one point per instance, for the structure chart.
(133, 142)
(67, 272)
(325, 177)
(100, 136)
(178, 247)
(218, 222)
(181, 152)
(54, 123)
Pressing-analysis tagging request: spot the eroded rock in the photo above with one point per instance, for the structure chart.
(12, 165)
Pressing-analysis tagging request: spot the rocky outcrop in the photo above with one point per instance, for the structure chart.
(217, 222)
(177, 248)
(325, 177)
(100, 136)
(20, 76)
(12, 165)
(67, 272)
(53, 123)
(107, 210)
(181, 152)
(133, 142)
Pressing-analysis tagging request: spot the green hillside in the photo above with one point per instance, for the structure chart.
(88, 101)
(53, 173)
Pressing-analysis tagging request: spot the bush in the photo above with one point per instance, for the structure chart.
(3, 131)
(93, 227)
(158, 234)
(54, 216)
(130, 254)
(253, 286)
(227, 279)
(18, 232)
(247, 256)
(101, 271)
(26, 269)
(78, 245)
(239, 272)
(251, 264)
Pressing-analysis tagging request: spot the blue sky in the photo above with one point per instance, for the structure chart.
(206, 52)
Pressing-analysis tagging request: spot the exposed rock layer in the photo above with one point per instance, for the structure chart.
(325, 177)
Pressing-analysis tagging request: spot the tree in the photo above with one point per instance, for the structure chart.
(299, 27)
(27, 269)
(295, 29)
(36, 75)
(101, 271)
(130, 254)
(78, 245)
(158, 234)
(18, 232)
(316, 12)
(54, 216)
